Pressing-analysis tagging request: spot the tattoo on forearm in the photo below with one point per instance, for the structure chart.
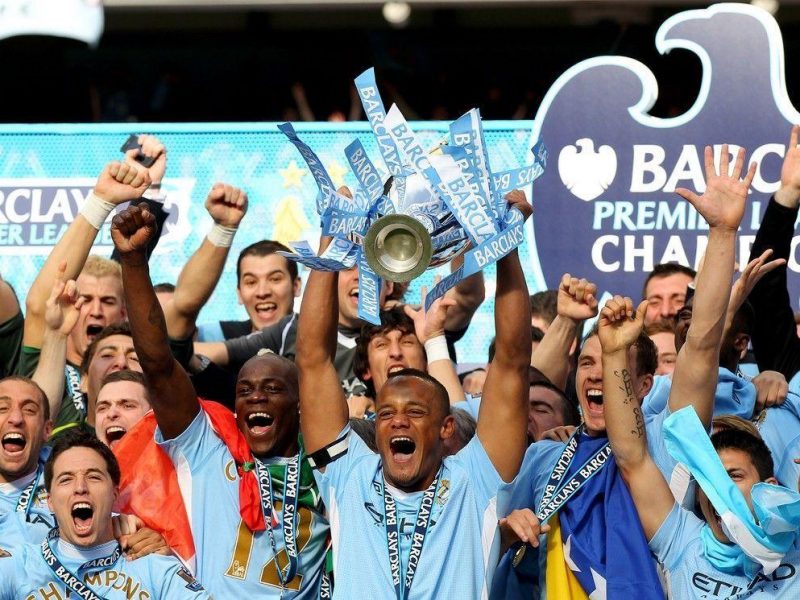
(154, 315)
(627, 385)
(637, 414)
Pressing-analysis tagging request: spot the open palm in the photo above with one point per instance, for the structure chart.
(722, 204)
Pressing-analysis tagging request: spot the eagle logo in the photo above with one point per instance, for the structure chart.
(587, 173)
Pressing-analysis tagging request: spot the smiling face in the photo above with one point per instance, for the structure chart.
(589, 383)
(266, 289)
(23, 428)
(744, 475)
(665, 296)
(103, 306)
(120, 405)
(392, 351)
(113, 353)
(411, 426)
(267, 406)
(82, 494)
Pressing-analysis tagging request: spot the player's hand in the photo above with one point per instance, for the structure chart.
(132, 229)
(789, 193)
(771, 390)
(120, 182)
(517, 199)
(722, 204)
(473, 382)
(359, 405)
(151, 148)
(562, 433)
(64, 304)
(577, 298)
(752, 274)
(143, 542)
(523, 526)
(430, 324)
(619, 326)
(226, 204)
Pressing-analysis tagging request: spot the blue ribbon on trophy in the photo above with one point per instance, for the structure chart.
(431, 209)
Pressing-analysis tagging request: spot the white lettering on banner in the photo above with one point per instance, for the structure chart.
(344, 225)
(368, 289)
(649, 173)
(631, 253)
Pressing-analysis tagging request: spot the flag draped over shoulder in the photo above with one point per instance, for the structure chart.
(149, 486)
(602, 542)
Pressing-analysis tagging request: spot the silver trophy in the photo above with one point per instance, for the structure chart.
(414, 230)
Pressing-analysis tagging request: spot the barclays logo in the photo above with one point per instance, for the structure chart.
(585, 172)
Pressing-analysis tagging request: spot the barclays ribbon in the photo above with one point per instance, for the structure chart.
(67, 577)
(437, 203)
(25, 501)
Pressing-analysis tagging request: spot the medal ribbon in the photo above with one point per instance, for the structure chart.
(25, 501)
(291, 491)
(67, 577)
(421, 523)
(73, 377)
(556, 493)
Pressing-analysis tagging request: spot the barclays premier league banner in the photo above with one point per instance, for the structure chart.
(604, 209)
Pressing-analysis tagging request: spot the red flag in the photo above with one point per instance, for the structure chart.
(149, 485)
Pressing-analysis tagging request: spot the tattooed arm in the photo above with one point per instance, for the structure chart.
(173, 398)
(618, 328)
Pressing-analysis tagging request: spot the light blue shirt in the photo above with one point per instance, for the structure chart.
(678, 547)
(24, 575)
(528, 489)
(39, 519)
(231, 560)
(462, 544)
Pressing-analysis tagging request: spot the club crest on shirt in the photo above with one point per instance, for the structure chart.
(230, 471)
(443, 495)
(191, 583)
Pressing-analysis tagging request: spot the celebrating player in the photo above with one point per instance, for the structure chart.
(263, 537)
(427, 523)
(80, 556)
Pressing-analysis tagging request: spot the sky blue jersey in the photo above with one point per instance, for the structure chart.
(25, 575)
(232, 562)
(679, 547)
(460, 548)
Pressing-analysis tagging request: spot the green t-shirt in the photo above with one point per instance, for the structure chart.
(10, 344)
(73, 402)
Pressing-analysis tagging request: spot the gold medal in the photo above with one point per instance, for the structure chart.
(519, 555)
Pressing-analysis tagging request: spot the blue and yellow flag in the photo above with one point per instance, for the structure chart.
(599, 539)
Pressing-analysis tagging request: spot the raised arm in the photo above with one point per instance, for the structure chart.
(774, 336)
(63, 310)
(227, 206)
(466, 297)
(722, 206)
(577, 301)
(173, 399)
(323, 407)
(503, 416)
(117, 183)
(618, 328)
(429, 327)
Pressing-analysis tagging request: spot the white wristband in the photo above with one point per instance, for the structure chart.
(221, 236)
(96, 210)
(436, 349)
